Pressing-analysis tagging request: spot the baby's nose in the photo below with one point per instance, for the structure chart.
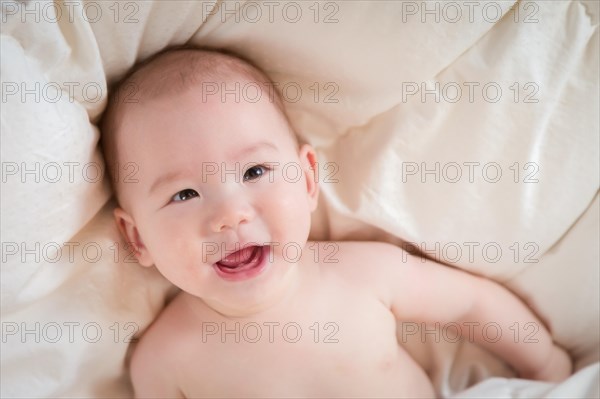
(230, 214)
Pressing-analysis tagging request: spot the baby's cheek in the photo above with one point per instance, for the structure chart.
(169, 242)
(290, 214)
(284, 203)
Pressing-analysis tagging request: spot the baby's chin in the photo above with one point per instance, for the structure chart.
(256, 295)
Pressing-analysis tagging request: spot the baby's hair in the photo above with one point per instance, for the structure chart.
(170, 71)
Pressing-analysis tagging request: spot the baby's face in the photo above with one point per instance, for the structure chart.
(214, 178)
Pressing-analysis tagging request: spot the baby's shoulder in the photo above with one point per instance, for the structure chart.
(171, 325)
(359, 262)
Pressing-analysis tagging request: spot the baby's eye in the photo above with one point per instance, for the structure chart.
(184, 195)
(255, 172)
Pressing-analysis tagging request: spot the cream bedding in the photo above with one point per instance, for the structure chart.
(502, 181)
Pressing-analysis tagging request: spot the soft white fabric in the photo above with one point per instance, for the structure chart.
(373, 138)
(583, 384)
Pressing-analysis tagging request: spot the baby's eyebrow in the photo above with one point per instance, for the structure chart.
(254, 147)
(165, 179)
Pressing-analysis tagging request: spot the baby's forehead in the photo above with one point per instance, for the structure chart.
(208, 75)
(174, 72)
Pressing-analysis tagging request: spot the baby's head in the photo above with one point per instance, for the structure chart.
(201, 170)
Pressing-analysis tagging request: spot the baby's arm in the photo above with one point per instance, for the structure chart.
(428, 292)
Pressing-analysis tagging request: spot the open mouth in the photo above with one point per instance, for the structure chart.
(243, 264)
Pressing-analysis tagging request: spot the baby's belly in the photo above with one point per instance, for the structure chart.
(395, 376)
(398, 376)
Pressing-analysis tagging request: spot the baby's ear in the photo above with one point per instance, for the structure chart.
(308, 161)
(130, 233)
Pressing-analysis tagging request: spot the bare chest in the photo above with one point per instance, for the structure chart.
(331, 352)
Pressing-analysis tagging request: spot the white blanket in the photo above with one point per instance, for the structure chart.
(469, 129)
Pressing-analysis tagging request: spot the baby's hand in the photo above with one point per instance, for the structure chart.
(558, 367)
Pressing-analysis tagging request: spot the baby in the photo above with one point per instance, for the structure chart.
(221, 206)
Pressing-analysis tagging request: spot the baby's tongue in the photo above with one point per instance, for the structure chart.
(237, 258)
